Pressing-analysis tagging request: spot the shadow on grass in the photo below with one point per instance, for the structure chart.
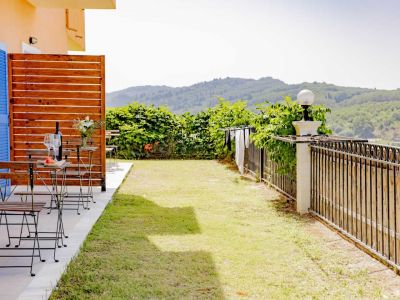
(229, 164)
(119, 261)
(287, 207)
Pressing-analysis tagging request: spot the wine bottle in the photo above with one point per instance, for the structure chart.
(58, 132)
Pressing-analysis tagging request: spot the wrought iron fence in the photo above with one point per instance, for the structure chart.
(354, 188)
(284, 183)
(259, 164)
(253, 160)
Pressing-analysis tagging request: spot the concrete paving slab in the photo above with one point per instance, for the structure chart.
(17, 283)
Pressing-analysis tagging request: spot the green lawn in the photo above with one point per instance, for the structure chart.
(195, 229)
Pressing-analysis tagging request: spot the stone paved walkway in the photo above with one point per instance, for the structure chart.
(17, 283)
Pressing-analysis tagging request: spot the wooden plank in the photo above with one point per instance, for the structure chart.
(62, 109)
(53, 116)
(83, 161)
(38, 123)
(49, 88)
(13, 165)
(53, 79)
(56, 87)
(27, 145)
(21, 151)
(39, 138)
(64, 102)
(55, 57)
(70, 182)
(53, 95)
(29, 64)
(25, 154)
(72, 158)
(44, 174)
(67, 131)
(13, 176)
(57, 72)
(95, 169)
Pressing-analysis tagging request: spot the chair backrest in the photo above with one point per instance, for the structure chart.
(18, 167)
(15, 165)
(110, 131)
(73, 145)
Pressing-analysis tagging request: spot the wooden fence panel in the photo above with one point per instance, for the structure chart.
(44, 89)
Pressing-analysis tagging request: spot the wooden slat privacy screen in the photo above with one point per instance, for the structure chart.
(46, 88)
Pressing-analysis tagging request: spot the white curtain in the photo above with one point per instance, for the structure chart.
(239, 150)
(247, 137)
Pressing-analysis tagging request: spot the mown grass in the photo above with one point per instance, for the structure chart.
(195, 229)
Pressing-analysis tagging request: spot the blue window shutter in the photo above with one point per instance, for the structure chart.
(4, 125)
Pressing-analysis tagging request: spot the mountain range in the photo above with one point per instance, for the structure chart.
(355, 111)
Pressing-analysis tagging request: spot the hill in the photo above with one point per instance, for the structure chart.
(202, 95)
(362, 112)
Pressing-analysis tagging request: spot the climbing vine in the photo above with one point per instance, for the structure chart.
(276, 120)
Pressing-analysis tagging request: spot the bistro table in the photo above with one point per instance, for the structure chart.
(57, 172)
(27, 172)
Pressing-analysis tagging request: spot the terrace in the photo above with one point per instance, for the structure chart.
(76, 227)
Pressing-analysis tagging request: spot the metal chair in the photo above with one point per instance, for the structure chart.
(112, 150)
(81, 171)
(24, 209)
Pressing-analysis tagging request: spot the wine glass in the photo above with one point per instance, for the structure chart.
(47, 143)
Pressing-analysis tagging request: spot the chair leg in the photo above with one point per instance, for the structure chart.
(6, 222)
(8, 231)
(33, 254)
(63, 231)
(51, 204)
(24, 217)
(87, 199)
(35, 240)
(36, 224)
(56, 238)
(79, 201)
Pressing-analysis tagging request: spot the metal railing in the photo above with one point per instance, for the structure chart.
(259, 164)
(354, 188)
(284, 183)
(253, 160)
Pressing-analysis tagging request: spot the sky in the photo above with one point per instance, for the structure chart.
(182, 42)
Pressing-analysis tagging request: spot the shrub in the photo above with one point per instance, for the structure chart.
(276, 120)
(148, 131)
(223, 115)
(140, 125)
(155, 132)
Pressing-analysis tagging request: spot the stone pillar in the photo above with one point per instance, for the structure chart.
(303, 177)
(303, 164)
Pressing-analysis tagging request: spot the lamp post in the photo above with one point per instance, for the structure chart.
(304, 128)
(305, 98)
